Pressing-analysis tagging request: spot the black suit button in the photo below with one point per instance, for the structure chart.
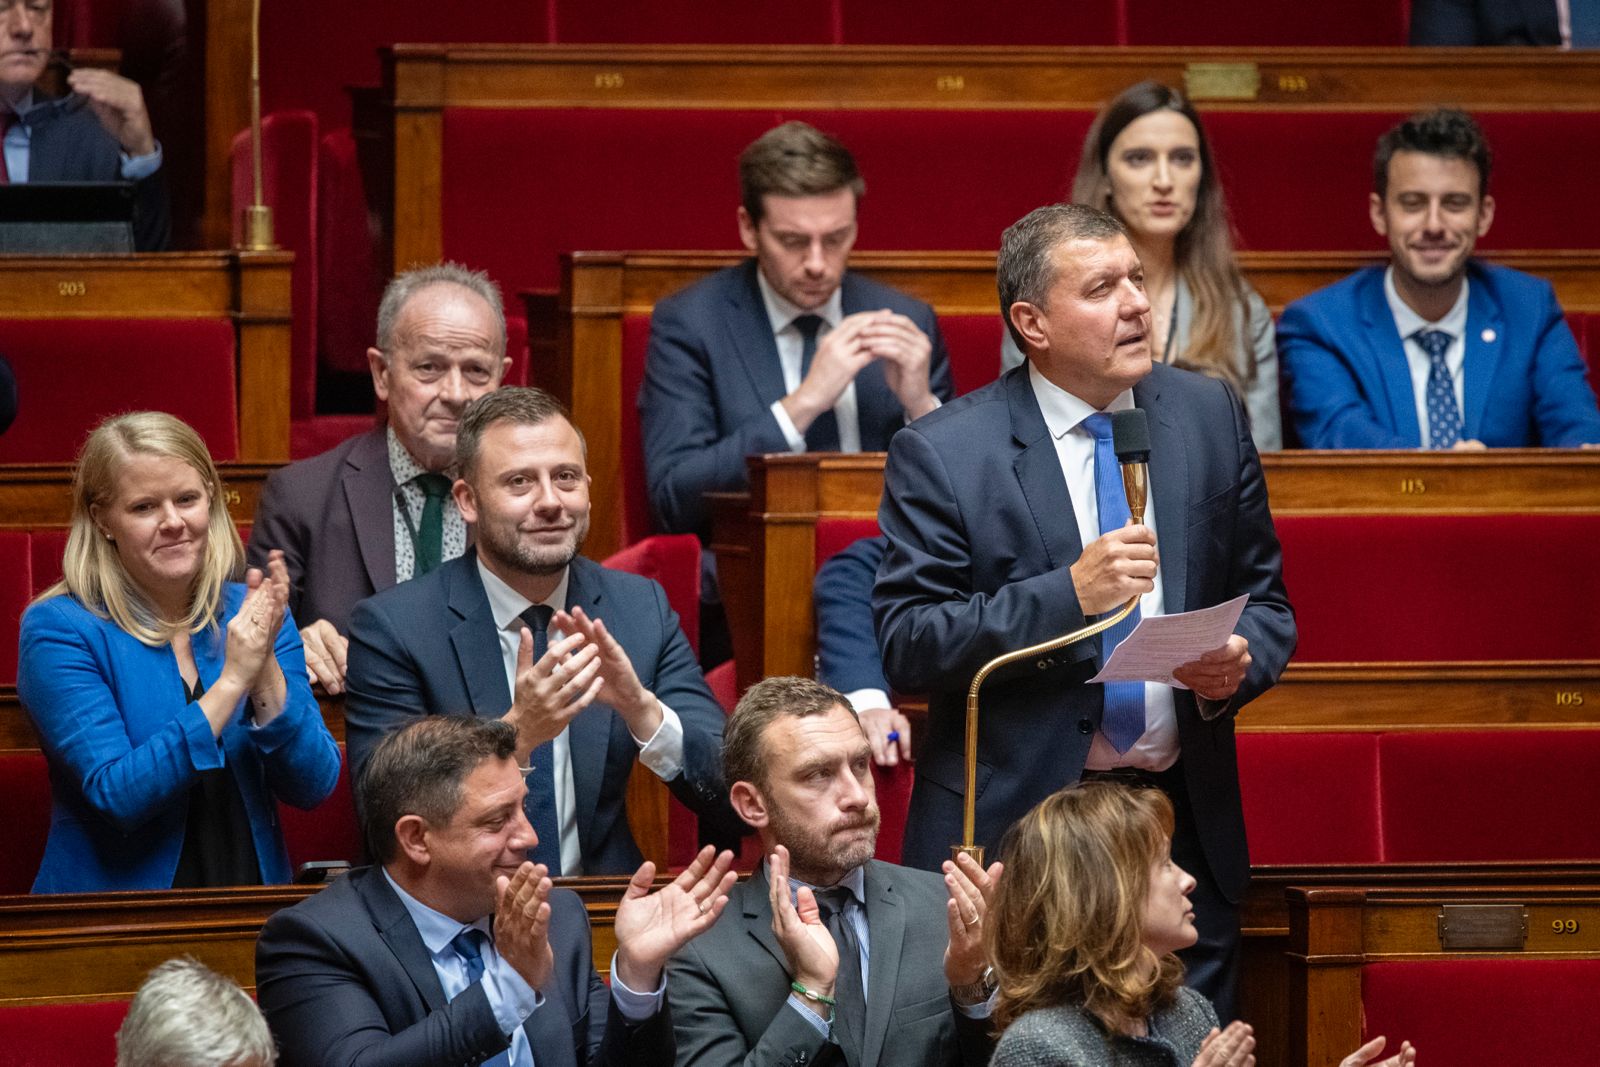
(1085, 726)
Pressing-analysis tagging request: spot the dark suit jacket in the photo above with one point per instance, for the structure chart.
(847, 642)
(1350, 382)
(333, 516)
(429, 646)
(712, 375)
(981, 534)
(1463, 23)
(729, 985)
(343, 978)
(68, 144)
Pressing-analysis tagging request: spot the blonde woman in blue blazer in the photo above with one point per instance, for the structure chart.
(172, 703)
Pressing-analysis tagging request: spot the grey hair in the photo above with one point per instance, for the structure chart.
(1025, 269)
(407, 284)
(187, 1015)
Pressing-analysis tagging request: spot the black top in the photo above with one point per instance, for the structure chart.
(218, 848)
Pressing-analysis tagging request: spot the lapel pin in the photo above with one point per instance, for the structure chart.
(1489, 336)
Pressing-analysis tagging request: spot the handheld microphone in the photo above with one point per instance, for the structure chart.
(1130, 439)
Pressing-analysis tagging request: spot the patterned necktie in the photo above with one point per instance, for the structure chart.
(8, 119)
(540, 803)
(850, 1011)
(1122, 721)
(468, 944)
(1444, 418)
(430, 533)
(823, 434)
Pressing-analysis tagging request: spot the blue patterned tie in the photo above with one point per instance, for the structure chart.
(468, 944)
(823, 434)
(1123, 719)
(1444, 418)
(540, 803)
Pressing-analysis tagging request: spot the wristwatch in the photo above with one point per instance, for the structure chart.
(976, 992)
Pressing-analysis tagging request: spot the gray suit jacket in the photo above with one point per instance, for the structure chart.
(730, 985)
(333, 516)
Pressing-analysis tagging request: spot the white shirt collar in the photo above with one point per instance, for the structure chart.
(437, 928)
(780, 312)
(1063, 411)
(1408, 322)
(507, 604)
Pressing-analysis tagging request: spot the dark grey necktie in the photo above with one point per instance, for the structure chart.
(540, 803)
(850, 1011)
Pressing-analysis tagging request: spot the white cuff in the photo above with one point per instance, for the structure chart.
(511, 998)
(136, 168)
(796, 439)
(635, 1006)
(663, 753)
(863, 699)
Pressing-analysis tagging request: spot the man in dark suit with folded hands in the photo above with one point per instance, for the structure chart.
(588, 663)
(826, 956)
(1007, 526)
(456, 949)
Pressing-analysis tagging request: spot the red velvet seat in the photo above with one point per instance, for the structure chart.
(704, 22)
(25, 799)
(72, 373)
(329, 831)
(836, 535)
(349, 279)
(1490, 795)
(16, 589)
(1310, 798)
(1483, 1011)
(973, 342)
(1416, 588)
(61, 1035)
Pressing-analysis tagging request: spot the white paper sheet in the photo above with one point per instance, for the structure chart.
(1161, 645)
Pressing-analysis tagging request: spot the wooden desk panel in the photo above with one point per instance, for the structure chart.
(99, 946)
(249, 288)
(39, 496)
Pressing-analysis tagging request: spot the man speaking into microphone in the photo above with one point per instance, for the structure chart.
(1007, 526)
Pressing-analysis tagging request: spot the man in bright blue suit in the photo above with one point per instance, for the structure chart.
(589, 663)
(788, 351)
(1007, 526)
(1436, 350)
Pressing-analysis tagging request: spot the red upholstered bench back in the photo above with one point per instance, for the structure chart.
(1490, 795)
(61, 1035)
(674, 561)
(1483, 1011)
(25, 799)
(1310, 798)
(836, 535)
(1410, 588)
(1586, 328)
(72, 373)
(939, 179)
(16, 589)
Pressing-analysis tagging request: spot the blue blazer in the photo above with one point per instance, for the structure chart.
(430, 646)
(847, 643)
(712, 375)
(125, 747)
(1350, 384)
(981, 535)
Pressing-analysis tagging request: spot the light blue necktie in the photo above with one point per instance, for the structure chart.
(1123, 719)
(1444, 418)
(468, 944)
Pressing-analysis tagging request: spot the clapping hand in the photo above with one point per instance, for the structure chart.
(522, 923)
(807, 944)
(971, 892)
(651, 927)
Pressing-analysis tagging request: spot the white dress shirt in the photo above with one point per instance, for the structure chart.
(18, 149)
(662, 753)
(1157, 749)
(781, 314)
(1408, 322)
(511, 998)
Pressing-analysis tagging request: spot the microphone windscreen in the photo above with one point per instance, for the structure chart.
(1130, 435)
